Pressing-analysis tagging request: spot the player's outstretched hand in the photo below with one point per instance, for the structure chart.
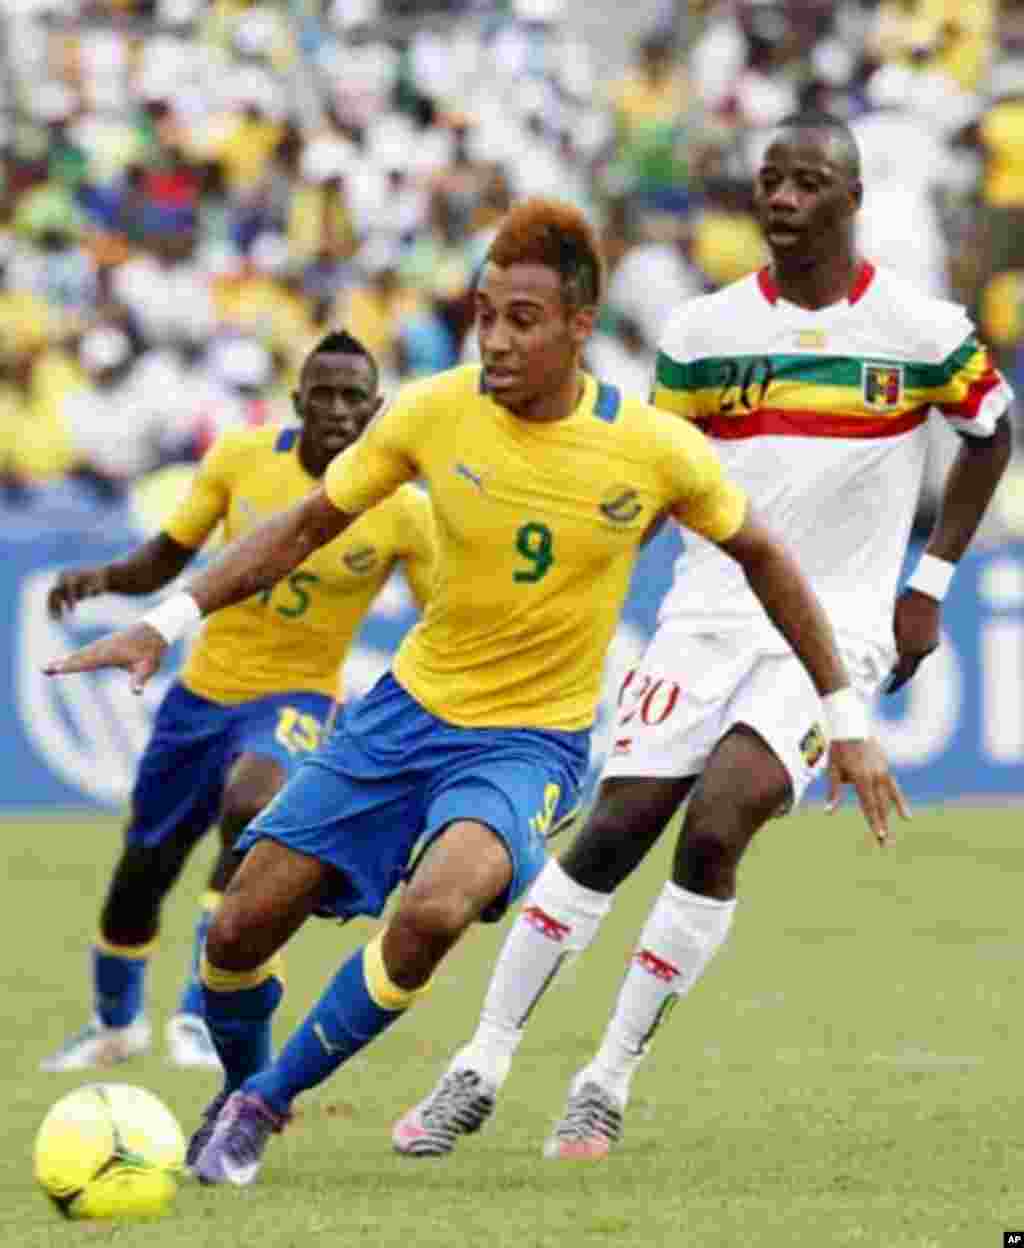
(138, 650)
(72, 586)
(915, 624)
(863, 764)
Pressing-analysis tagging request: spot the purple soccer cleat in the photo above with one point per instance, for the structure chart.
(234, 1150)
(201, 1136)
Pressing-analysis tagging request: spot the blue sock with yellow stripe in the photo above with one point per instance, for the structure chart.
(192, 994)
(359, 1003)
(238, 1006)
(119, 981)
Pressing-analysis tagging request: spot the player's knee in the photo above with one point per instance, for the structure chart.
(705, 862)
(429, 918)
(747, 806)
(129, 920)
(743, 785)
(230, 943)
(418, 937)
(767, 796)
(141, 880)
(719, 825)
(603, 854)
(712, 840)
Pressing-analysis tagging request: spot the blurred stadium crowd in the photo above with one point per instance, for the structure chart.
(193, 191)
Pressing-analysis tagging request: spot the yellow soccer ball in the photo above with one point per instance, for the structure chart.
(110, 1150)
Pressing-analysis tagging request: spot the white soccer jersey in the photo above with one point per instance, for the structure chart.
(821, 417)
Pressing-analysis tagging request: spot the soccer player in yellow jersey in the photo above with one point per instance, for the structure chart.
(544, 483)
(255, 691)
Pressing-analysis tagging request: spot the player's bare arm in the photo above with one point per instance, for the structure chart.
(972, 480)
(775, 577)
(272, 550)
(148, 568)
(250, 565)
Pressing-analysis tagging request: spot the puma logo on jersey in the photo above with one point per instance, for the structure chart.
(360, 559)
(621, 506)
(462, 471)
(321, 1035)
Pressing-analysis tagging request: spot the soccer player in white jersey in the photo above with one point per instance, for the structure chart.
(815, 379)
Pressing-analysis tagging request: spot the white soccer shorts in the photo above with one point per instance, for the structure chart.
(688, 691)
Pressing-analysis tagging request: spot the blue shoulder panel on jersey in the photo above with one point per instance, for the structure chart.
(286, 439)
(606, 407)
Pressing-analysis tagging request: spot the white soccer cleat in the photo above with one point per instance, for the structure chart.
(591, 1124)
(189, 1044)
(99, 1045)
(460, 1104)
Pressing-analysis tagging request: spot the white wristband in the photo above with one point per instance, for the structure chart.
(174, 617)
(847, 715)
(932, 577)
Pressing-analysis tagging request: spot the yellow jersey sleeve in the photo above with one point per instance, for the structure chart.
(417, 542)
(383, 458)
(209, 497)
(706, 501)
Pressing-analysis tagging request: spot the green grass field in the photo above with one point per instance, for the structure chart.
(848, 1072)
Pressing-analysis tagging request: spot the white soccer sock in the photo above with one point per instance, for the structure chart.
(559, 919)
(682, 934)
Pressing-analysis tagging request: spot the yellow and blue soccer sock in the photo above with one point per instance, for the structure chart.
(192, 995)
(359, 1003)
(237, 1007)
(119, 980)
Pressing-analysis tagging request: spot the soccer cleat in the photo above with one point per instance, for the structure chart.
(189, 1043)
(96, 1044)
(234, 1151)
(201, 1135)
(591, 1124)
(460, 1104)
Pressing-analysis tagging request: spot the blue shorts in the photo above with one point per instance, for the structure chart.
(181, 775)
(392, 773)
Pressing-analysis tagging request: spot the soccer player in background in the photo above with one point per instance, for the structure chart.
(544, 483)
(255, 691)
(814, 379)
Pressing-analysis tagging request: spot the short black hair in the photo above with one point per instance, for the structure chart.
(341, 342)
(837, 129)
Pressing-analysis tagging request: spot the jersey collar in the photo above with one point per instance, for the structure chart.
(864, 277)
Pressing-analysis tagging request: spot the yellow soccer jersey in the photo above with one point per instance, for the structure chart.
(296, 636)
(538, 526)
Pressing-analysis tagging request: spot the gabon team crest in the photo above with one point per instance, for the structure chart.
(883, 386)
(813, 744)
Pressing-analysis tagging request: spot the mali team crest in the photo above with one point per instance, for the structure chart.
(883, 386)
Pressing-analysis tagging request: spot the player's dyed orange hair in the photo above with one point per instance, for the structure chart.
(556, 234)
